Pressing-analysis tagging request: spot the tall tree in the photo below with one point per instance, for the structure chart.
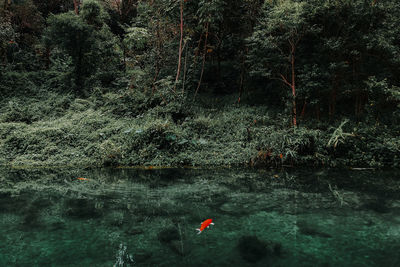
(275, 41)
(86, 39)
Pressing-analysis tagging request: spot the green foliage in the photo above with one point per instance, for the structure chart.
(70, 33)
(28, 110)
(7, 37)
(88, 41)
(211, 11)
(339, 46)
(383, 98)
(282, 26)
(136, 38)
(338, 136)
(99, 87)
(93, 13)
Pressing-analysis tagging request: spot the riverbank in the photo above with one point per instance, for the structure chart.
(132, 129)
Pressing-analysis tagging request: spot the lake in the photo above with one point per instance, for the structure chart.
(136, 217)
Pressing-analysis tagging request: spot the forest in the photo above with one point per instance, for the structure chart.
(159, 83)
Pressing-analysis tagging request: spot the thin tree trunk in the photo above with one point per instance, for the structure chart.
(124, 56)
(184, 71)
(118, 7)
(198, 49)
(293, 87)
(48, 53)
(204, 60)
(159, 58)
(155, 79)
(180, 48)
(303, 111)
(241, 78)
(76, 7)
(220, 37)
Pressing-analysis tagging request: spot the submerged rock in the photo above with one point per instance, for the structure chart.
(31, 219)
(180, 247)
(115, 218)
(168, 235)
(58, 225)
(252, 249)
(171, 238)
(142, 256)
(81, 208)
(11, 204)
(134, 231)
(306, 228)
(377, 206)
(234, 208)
(313, 232)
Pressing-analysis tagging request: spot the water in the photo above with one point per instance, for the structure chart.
(129, 217)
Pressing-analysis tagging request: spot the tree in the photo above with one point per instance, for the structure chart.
(86, 39)
(7, 37)
(210, 14)
(274, 43)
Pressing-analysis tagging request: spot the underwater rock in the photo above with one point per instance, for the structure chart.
(277, 249)
(55, 226)
(174, 241)
(115, 218)
(134, 231)
(234, 208)
(313, 232)
(41, 203)
(377, 206)
(179, 247)
(306, 228)
(252, 249)
(31, 219)
(81, 208)
(142, 256)
(168, 235)
(11, 204)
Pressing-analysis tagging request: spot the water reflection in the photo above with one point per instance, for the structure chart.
(130, 217)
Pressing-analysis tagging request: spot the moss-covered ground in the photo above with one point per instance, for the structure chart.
(134, 129)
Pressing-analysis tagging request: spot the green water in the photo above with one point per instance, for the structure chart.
(128, 217)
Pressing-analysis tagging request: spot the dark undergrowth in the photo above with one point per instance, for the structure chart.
(132, 128)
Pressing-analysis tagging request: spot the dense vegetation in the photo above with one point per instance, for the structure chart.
(208, 82)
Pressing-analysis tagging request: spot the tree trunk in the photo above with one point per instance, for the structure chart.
(242, 72)
(180, 48)
(198, 49)
(204, 60)
(303, 111)
(218, 51)
(76, 7)
(159, 58)
(294, 87)
(184, 71)
(48, 53)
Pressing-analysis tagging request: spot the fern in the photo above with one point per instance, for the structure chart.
(338, 136)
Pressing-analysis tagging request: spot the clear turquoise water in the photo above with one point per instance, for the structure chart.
(128, 217)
